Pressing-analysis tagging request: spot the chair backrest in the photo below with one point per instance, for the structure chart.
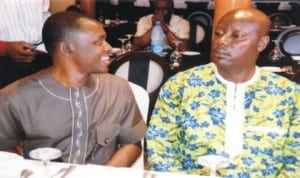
(200, 30)
(142, 100)
(201, 17)
(144, 68)
(279, 19)
(288, 42)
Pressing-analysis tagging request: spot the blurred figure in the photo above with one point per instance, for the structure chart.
(74, 7)
(229, 108)
(21, 49)
(86, 7)
(74, 105)
(174, 26)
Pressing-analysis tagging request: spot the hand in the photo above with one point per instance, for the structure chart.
(165, 27)
(156, 17)
(162, 22)
(20, 51)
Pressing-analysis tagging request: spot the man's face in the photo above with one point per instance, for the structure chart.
(236, 44)
(91, 47)
(163, 11)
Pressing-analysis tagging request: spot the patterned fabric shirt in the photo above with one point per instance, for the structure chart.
(254, 124)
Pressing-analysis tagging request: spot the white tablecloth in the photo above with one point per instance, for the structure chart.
(11, 166)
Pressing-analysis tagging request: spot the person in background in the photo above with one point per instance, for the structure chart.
(21, 48)
(174, 26)
(74, 105)
(75, 7)
(229, 108)
(86, 7)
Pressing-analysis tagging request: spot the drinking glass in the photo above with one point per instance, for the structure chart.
(45, 154)
(176, 56)
(123, 49)
(275, 54)
(101, 17)
(213, 162)
(117, 19)
(129, 44)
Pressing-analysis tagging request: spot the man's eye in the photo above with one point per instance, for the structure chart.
(237, 35)
(218, 33)
(100, 42)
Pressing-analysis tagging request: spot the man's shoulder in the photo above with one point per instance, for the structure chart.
(109, 79)
(204, 68)
(177, 18)
(276, 79)
(25, 89)
(200, 71)
(146, 17)
(25, 83)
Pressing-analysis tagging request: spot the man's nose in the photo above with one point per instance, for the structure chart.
(107, 47)
(223, 39)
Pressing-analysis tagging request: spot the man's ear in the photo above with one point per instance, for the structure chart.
(66, 48)
(263, 43)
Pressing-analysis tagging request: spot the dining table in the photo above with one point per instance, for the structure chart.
(15, 166)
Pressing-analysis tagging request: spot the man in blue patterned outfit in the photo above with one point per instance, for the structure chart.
(229, 108)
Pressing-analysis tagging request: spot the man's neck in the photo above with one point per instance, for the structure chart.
(237, 76)
(69, 78)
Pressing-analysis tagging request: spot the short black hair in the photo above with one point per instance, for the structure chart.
(60, 26)
(73, 8)
(170, 3)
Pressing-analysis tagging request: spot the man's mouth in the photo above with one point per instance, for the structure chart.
(104, 58)
(220, 53)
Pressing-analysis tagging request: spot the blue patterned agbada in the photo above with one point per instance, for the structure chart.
(188, 121)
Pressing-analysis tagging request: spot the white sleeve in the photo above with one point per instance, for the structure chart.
(45, 9)
(143, 25)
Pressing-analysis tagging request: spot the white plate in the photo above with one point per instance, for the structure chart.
(190, 53)
(123, 21)
(287, 27)
(273, 69)
(213, 161)
(275, 30)
(118, 22)
(45, 153)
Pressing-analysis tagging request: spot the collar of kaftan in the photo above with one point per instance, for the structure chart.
(249, 82)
